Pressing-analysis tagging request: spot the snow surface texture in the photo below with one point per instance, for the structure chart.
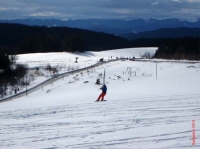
(141, 112)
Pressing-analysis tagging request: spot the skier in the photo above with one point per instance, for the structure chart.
(104, 90)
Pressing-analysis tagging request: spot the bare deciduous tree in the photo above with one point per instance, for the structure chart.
(13, 59)
(146, 55)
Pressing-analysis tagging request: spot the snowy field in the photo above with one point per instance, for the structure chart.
(85, 59)
(141, 112)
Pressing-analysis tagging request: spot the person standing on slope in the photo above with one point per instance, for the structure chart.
(104, 90)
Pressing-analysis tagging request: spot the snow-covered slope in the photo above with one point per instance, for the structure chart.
(84, 59)
(141, 111)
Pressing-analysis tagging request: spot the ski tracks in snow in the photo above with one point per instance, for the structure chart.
(142, 122)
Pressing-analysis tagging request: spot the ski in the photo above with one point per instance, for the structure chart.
(100, 100)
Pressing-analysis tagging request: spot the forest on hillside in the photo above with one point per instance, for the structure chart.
(172, 48)
(18, 39)
(32, 39)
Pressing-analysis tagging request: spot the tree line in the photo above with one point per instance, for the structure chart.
(19, 39)
(11, 75)
(172, 48)
(31, 39)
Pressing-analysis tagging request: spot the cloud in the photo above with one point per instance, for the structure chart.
(193, 1)
(155, 3)
(103, 9)
(178, 1)
(45, 14)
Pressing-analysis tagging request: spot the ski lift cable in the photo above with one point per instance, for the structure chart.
(55, 34)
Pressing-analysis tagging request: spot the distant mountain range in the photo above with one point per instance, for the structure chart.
(180, 32)
(111, 26)
(126, 28)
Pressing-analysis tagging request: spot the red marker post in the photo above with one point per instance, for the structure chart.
(193, 132)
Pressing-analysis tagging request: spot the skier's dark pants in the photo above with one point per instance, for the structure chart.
(101, 96)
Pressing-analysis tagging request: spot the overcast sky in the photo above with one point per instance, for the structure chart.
(99, 9)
